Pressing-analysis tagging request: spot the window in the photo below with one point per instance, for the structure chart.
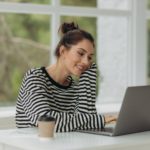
(83, 3)
(24, 39)
(25, 43)
(29, 31)
(113, 56)
(115, 4)
(28, 1)
(148, 35)
(87, 23)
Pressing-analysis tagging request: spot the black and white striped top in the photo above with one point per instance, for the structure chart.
(72, 106)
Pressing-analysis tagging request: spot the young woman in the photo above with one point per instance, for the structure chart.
(52, 91)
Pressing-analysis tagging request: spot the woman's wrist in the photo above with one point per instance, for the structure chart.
(104, 120)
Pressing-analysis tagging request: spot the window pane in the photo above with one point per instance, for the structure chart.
(86, 23)
(148, 76)
(114, 4)
(29, 1)
(24, 41)
(148, 4)
(83, 3)
(113, 58)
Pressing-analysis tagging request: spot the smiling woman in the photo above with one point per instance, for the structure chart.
(52, 91)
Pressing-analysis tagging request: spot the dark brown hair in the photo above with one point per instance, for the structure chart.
(71, 34)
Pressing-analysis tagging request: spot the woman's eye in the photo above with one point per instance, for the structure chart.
(80, 53)
(89, 58)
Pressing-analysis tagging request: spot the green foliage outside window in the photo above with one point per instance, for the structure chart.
(29, 1)
(25, 43)
(83, 3)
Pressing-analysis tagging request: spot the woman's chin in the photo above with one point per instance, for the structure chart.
(78, 74)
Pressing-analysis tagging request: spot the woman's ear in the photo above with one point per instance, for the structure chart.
(62, 50)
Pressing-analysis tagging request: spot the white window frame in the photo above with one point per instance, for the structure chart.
(137, 72)
(139, 43)
(147, 19)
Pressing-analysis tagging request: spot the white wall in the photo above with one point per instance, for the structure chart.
(121, 48)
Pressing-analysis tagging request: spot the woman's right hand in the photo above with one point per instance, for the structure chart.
(110, 118)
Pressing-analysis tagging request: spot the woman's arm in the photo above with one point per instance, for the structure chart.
(87, 90)
(71, 122)
(87, 93)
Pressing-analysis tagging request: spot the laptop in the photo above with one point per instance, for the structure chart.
(134, 115)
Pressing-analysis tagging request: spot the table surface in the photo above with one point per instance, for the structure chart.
(27, 139)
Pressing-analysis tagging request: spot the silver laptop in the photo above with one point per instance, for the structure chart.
(134, 115)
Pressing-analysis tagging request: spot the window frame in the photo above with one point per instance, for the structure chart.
(137, 71)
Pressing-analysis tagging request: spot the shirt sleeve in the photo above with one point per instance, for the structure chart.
(87, 92)
(35, 104)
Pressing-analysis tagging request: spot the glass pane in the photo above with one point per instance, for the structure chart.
(113, 58)
(114, 4)
(29, 1)
(148, 4)
(24, 41)
(86, 23)
(83, 3)
(148, 76)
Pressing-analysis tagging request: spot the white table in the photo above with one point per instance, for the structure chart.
(27, 139)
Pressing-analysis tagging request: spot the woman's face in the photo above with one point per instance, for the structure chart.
(79, 57)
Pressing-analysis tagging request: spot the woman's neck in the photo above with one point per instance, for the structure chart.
(58, 73)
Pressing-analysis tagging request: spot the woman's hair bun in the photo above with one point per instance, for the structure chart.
(65, 27)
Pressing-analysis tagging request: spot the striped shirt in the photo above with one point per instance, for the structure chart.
(72, 106)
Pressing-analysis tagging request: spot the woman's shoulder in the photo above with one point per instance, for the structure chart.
(34, 73)
(35, 78)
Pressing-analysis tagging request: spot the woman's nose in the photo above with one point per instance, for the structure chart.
(86, 61)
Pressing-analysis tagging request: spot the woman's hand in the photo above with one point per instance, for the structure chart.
(110, 118)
